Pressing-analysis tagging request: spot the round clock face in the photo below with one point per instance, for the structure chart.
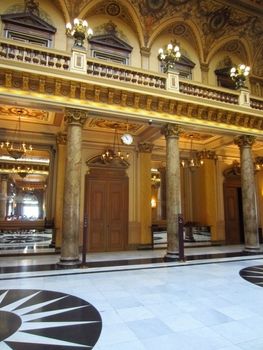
(127, 139)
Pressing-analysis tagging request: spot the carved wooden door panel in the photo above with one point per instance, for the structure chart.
(233, 215)
(107, 213)
(97, 191)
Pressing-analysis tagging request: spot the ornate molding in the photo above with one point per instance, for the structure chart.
(61, 138)
(171, 130)
(244, 140)
(145, 147)
(75, 116)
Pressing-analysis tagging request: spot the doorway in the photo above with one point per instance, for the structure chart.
(106, 209)
(234, 227)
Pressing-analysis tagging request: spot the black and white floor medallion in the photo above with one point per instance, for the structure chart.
(46, 320)
(253, 274)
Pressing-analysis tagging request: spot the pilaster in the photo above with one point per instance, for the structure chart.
(145, 150)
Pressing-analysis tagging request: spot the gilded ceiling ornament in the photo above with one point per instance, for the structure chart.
(113, 9)
(155, 5)
(178, 2)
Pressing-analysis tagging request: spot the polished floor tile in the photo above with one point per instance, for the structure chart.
(205, 304)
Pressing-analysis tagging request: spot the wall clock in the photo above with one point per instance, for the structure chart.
(127, 139)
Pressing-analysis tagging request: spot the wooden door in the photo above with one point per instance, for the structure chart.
(106, 208)
(233, 215)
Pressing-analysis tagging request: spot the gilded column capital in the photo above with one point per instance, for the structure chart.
(61, 138)
(145, 147)
(244, 140)
(75, 116)
(145, 51)
(171, 130)
(4, 177)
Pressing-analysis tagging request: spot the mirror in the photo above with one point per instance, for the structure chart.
(24, 186)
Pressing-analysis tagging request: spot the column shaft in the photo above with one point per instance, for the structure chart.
(72, 188)
(248, 193)
(173, 189)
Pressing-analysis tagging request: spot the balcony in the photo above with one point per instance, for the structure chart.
(41, 61)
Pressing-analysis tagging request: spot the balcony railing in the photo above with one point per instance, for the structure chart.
(58, 60)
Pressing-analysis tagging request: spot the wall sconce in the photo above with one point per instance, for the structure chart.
(169, 56)
(239, 74)
(153, 203)
(79, 31)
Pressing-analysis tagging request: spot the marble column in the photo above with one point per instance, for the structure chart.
(250, 219)
(3, 196)
(162, 171)
(71, 202)
(145, 150)
(173, 189)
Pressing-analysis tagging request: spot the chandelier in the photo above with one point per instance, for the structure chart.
(239, 74)
(169, 56)
(114, 153)
(15, 148)
(79, 31)
(193, 162)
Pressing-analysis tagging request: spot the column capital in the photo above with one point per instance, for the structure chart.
(61, 138)
(244, 140)
(145, 147)
(75, 116)
(4, 177)
(145, 51)
(171, 130)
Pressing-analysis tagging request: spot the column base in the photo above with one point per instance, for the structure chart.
(171, 256)
(252, 250)
(68, 263)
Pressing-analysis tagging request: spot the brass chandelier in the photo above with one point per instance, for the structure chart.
(169, 56)
(15, 148)
(114, 153)
(79, 30)
(239, 74)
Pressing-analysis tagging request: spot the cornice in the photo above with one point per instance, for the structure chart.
(107, 97)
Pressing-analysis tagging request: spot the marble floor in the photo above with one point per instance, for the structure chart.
(212, 302)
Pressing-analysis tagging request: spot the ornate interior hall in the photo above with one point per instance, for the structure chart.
(131, 152)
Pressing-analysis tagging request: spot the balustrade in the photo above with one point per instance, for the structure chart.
(107, 70)
(35, 56)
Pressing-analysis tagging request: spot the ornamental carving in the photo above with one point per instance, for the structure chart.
(171, 130)
(61, 138)
(145, 147)
(244, 140)
(75, 116)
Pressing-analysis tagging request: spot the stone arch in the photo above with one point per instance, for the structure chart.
(232, 45)
(189, 31)
(125, 8)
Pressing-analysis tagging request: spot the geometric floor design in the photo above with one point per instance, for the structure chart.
(253, 274)
(46, 320)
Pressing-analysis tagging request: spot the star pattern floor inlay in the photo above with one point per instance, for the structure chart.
(45, 320)
(253, 274)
